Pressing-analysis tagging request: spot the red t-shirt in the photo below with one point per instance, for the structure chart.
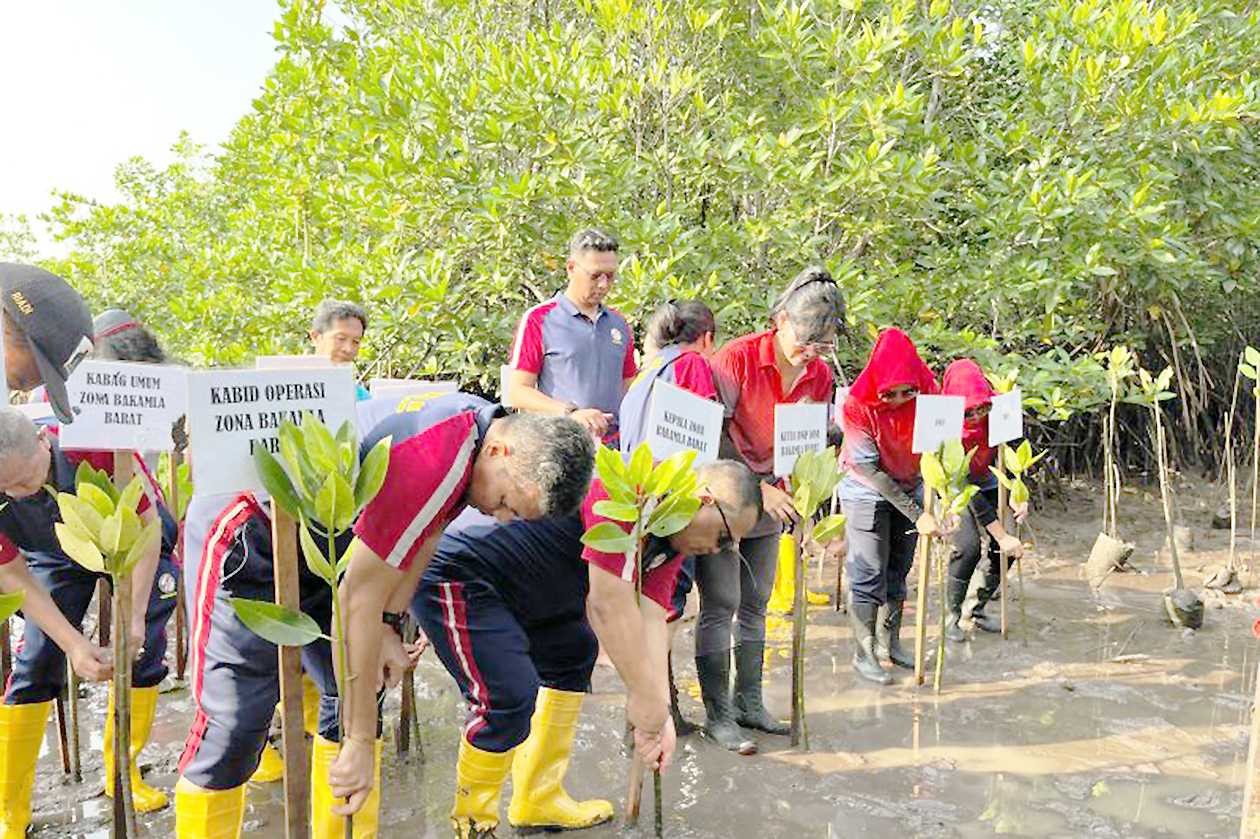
(749, 385)
(662, 568)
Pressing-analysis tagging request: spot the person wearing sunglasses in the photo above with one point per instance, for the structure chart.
(572, 354)
(881, 494)
(679, 340)
(523, 661)
(754, 373)
(965, 378)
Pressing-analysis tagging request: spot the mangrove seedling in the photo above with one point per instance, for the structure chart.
(814, 478)
(101, 531)
(1018, 462)
(656, 501)
(946, 473)
(1250, 368)
(323, 486)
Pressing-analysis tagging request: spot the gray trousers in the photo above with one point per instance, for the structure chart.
(881, 551)
(735, 586)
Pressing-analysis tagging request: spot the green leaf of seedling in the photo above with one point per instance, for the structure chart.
(608, 538)
(80, 516)
(959, 505)
(1004, 481)
(1011, 460)
(829, 528)
(1019, 493)
(119, 532)
(372, 473)
(1253, 356)
(1161, 382)
(612, 474)
(275, 623)
(10, 603)
(346, 434)
(291, 451)
(148, 541)
(640, 467)
(334, 505)
(320, 446)
(617, 511)
(88, 474)
(669, 470)
(315, 558)
(344, 561)
(672, 515)
(953, 458)
(100, 500)
(276, 481)
(82, 551)
(933, 474)
(1248, 371)
(130, 496)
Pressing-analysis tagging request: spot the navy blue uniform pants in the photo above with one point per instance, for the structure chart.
(499, 657)
(39, 668)
(235, 673)
(881, 551)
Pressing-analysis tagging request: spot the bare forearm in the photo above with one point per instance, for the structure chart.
(530, 399)
(38, 606)
(622, 631)
(656, 648)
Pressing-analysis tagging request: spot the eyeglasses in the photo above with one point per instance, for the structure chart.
(596, 276)
(978, 412)
(906, 392)
(728, 541)
(819, 347)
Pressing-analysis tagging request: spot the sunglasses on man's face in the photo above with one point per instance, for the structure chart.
(899, 393)
(728, 540)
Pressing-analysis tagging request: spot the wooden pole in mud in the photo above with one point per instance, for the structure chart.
(924, 550)
(181, 631)
(293, 735)
(1251, 794)
(124, 809)
(839, 604)
(1006, 592)
(6, 653)
(797, 727)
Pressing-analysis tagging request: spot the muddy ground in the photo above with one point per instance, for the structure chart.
(1099, 720)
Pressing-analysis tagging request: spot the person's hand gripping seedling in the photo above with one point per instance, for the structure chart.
(654, 501)
(323, 486)
(101, 531)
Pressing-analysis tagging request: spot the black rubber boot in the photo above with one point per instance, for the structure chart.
(750, 710)
(888, 635)
(714, 673)
(955, 594)
(682, 728)
(862, 618)
(984, 594)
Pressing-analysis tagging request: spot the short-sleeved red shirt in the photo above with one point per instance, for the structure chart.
(662, 565)
(749, 385)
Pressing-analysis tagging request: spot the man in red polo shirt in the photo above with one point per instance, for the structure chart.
(753, 374)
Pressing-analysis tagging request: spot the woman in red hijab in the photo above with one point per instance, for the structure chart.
(965, 378)
(881, 495)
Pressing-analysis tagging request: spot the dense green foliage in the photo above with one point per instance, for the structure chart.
(1027, 182)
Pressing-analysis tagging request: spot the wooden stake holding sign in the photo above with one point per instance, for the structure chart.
(124, 807)
(230, 413)
(937, 420)
(1006, 423)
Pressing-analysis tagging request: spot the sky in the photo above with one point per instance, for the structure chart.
(86, 84)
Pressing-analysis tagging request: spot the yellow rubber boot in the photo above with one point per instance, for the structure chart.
(782, 596)
(539, 801)
(21, 732)
(143, 707)
(310, 706)
(270, 766)
(479, 778)
(208, 813)
(326, 825)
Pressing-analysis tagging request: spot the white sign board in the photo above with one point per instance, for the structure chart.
(679, 420)
(408, 387)
(294, 362)
(231, 412)
(505, 380)
(121, 405)
(798, 428)
(937, 420)
(1006, 418)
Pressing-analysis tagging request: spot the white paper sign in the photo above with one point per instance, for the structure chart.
(937, 420)
(798, 428)
(679, 420)
(505, 378)
(121, 405)
(1006, 418)
(294, 362)
(230, 412)
(408, 387)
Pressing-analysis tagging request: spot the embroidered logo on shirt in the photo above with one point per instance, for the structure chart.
(617, 337)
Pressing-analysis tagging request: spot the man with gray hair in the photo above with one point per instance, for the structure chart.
(337, 331)
(33, 468)
(572, 354)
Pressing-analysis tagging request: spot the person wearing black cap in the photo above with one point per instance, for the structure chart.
(47, 332)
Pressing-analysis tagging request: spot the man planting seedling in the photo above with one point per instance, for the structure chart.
(54, 549)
